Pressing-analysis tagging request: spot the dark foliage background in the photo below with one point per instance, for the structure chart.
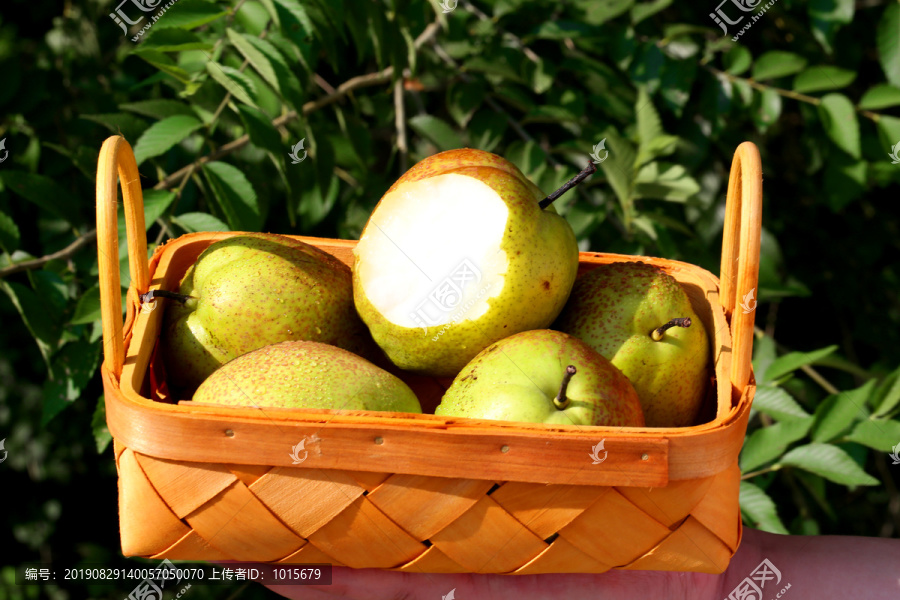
(226, 89)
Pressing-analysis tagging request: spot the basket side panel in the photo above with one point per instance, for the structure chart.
(146, 524)
(306, 499)
(546, 509)
(425, 505)
(240, 526)
(614, 531)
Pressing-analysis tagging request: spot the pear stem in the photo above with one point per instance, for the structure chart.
(152, 294)
(588, 170)
(561, 401)
(657, 334)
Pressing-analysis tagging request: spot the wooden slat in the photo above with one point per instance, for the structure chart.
(185, 486)
(425, 505)
(432, 561)
(241, 527)
(360, 528)
(488, 540)
(562, 557)
(546, 509)
(191, 547)
(147, 524)
(602, 530)
(671, 504)
(692, 547)
(306, 499)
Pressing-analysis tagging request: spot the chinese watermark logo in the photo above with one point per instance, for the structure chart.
(293, 153)
(895, 456)
(450, 595)
(295, 452)
(745, 6)
(449, 6)
(2, 449)
(751, 588)
(596, 153)
(895, 159)
(595, 452)
(152, 589)
(147, 307)
(748, 304)
(147, 6)
(6, 152)
(446, 297)
(295, 455)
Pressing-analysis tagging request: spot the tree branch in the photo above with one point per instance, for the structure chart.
(37, 263)
(342, 90)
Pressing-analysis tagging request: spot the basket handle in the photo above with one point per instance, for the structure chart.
(117, 163)
(740, 257)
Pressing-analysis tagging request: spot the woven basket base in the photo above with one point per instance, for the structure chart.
(212, 512)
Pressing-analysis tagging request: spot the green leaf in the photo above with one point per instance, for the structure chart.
(162, 135)
(817, 79)
(188, 14)
(38, 317)
(764, 353)
(888, 39)
(760, 509)
(159, 109)
(9, 233)
(560, 30)
(73, 367)
(166, 65)
(155, 204)
(778, 404)
(737, 60)
(436, 131)
(887, 396)
(639, 12)
(270, 64)
(880, 96)
(664, 181)
(881, 435)
(830, 462)
(767, 105)
(619, 167)
(768, 443)
(121, 123)
(649, 126)
(835, 11)
(45, 193)
(485, 130)
(777, 63)
(197, 221)
(235, 196)
(794, 360)
(87, 310)
(102, 436)
(172, 40)
(463, 99)
(261, 131)
(837, 413)
(240, 86)
(889, 131)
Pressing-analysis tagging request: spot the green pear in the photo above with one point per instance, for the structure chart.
(640, 318)
(253, 290)
(306, 375)
(460, 252)
(543, 376)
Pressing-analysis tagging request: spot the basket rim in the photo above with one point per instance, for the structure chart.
(136, 421)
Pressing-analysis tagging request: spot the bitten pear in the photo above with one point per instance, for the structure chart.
(639, 317)
(459, 253)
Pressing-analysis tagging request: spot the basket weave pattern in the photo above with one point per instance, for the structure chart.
(295, 515)
(431, 494)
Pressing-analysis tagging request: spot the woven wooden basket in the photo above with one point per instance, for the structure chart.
(420, 493)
